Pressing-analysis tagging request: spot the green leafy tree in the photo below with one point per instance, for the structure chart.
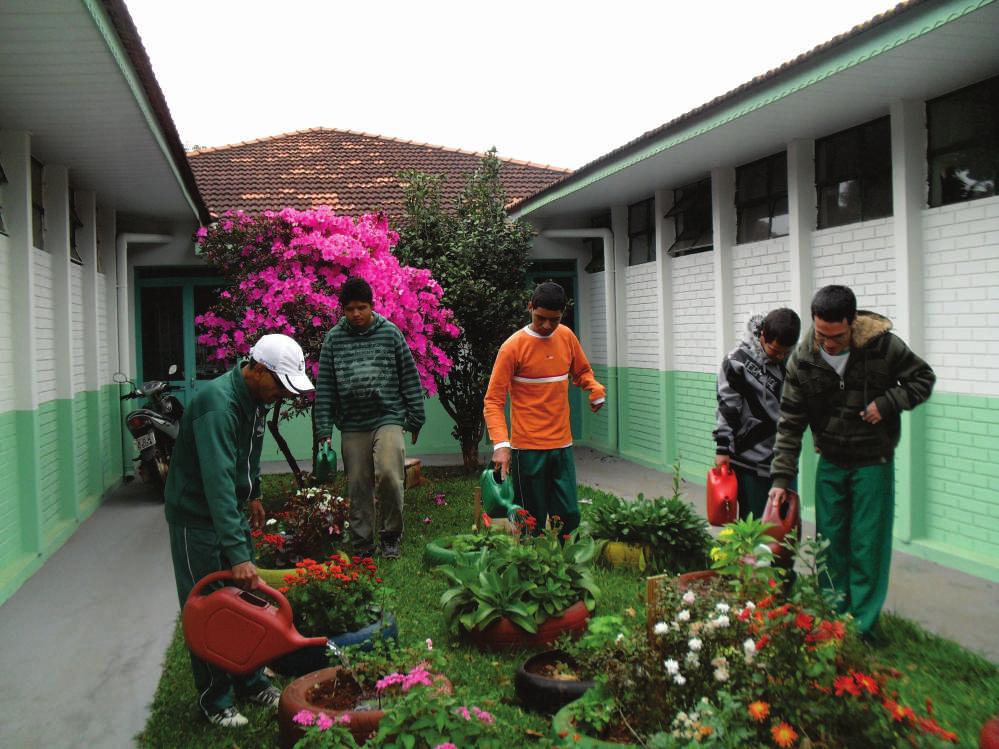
(479, 257)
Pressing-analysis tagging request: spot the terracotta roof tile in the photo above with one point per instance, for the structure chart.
(350, 171)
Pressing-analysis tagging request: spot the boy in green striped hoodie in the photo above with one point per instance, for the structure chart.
(369, 389)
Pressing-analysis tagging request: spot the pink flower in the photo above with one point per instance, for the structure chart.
(484, 716)
(304, 718)
(446, 745)
(463, 712)
(324, 722)
(440, 500)
(430, 644)
(389, 681)
(344, 718)
(427, 520)
(202, 232)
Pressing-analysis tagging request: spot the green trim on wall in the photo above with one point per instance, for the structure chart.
(65, 466)
(915, 23)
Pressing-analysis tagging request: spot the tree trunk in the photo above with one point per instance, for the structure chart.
(283, 446)
(470, 453)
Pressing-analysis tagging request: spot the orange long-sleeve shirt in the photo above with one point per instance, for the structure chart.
(535, 371)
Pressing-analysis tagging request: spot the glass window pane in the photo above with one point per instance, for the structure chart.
(964, 174)
(955, 119)
(638, 217)
(778, 173)
(208, 368)
(751, 182)
(639, 250)
(876, 161)
(839, 204)
(877, 198)
(754, 223)
(838, 157)
(779, 226)
(162, 312)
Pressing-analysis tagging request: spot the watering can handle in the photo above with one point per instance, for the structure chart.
(284, 608)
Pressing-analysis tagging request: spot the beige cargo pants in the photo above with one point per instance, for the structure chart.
(375, 463)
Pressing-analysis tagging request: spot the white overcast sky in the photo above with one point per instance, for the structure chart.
(550, 81)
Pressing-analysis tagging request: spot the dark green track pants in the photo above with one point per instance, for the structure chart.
(545, 484)
(854, 510)
(196, 552)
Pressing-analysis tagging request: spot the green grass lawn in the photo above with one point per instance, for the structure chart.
(964, 687)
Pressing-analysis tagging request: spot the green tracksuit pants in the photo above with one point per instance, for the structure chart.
(854, 510)
(196, 552)
(545, 484)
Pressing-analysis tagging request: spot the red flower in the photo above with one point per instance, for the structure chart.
(804, 621)
(846, 685)
(784, 735)
(758, 711)
(486, 520)
(898, 712)
(762, 642)
(865, 682)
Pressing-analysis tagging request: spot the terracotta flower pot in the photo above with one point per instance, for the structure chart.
(505, 635)
(684, 581)
(989, 737)
(544, 693)
(625, 554)
(295, 698)
(565, 728)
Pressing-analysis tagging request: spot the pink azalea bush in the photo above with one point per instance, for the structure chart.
(286, 269)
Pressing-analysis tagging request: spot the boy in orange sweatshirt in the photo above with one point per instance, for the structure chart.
(534, 366)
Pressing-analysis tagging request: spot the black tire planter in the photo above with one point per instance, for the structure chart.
(307, 660)
(437, 552)
(543, 694)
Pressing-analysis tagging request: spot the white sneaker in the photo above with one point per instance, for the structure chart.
(230, 717)
(269, 697)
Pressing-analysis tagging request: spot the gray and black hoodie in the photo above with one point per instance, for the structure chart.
(749, 390)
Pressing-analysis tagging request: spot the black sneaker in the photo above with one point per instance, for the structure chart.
(228, 717)
(268, 697)
(390, 548)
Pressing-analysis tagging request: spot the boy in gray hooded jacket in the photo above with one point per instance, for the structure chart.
(749, 391)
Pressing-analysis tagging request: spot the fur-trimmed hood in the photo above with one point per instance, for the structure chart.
(867, 327)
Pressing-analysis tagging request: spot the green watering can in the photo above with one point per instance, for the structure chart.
(325, 469)
(497, 496)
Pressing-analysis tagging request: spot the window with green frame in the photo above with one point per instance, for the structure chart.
(641, 232)
(761, 199)
(853, 174)
(963, 151)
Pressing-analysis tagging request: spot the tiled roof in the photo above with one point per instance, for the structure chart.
(349, 171)
(704, 110)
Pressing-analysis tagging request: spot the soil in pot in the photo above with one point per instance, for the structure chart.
(332, 691)
(548, 681)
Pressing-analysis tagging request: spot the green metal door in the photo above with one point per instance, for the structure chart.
(564, 274)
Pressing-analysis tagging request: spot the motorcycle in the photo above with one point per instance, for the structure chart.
(154, 427)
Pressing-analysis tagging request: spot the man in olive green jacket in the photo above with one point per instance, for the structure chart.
(849, 380)
(214, 480)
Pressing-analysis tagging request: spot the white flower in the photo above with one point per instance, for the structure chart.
(692, 659)
(721, 674)
(722, 607)
(619, 637)
(749, 646)
(720, 662)
(683, 616)
(430, 644)
(750, 605)
(672, 667)
(721, 621)
(694, 644)
(689, 597)
(661, 628)
(271, 521)
(679, 679)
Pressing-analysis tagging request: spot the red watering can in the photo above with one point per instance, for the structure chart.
(237, 630)
(783, 518)
(722, 495)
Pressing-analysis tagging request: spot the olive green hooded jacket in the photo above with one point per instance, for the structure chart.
(215, 465)
(881, 368)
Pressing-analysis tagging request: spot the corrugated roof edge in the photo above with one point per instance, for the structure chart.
(125, 28)
(704, 110)
(267, 138)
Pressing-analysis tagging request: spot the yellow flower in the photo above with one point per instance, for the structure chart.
(716, 553)
(726, 533)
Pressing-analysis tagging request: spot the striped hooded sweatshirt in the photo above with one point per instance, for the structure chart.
(749, 391)
(367, 379)
(535, 371)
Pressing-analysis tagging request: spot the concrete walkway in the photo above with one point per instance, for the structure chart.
(84, 638)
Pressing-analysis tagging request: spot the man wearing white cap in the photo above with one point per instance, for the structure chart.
(213, 496)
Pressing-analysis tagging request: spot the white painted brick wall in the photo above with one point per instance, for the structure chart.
(693, 313)
(44, 304)
(961, 296)
(7, 402)
(79, 341)
(861, 256)
(642, 328)
(761, 280)
(596, 346)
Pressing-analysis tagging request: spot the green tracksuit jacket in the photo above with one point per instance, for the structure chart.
(881, 368)
(215, 465)
(367, 379)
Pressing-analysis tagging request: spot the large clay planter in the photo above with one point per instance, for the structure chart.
(683, 581)
(566, 730)
(624, 554)
(307, 660)
(505, 635)
(543, 693)
(989, 737)
(294, 698)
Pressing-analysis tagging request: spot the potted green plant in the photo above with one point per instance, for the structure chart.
(338, 599)
(310, 525)
(447, 549)
(524, 594)
(729, 662)
(657, 535)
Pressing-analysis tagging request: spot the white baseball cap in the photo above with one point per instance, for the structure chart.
(284, 357)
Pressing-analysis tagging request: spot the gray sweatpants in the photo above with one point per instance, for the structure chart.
(375, 463)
